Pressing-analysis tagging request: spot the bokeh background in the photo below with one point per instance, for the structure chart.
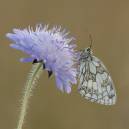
(108, 22)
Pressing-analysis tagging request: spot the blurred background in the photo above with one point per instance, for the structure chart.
(108, 22)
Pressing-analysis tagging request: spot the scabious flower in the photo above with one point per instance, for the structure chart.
(53, 47)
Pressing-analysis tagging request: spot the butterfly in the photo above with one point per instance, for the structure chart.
(95, 83)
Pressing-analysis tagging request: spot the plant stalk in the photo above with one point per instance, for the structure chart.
(29, 86)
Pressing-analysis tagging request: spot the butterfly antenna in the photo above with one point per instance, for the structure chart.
(91, 40)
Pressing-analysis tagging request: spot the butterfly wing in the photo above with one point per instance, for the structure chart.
(96, 84)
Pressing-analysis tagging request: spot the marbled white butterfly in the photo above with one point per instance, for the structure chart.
(95, 83)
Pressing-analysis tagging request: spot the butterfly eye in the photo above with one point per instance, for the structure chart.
(88, 49)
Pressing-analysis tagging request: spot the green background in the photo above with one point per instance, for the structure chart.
(108, 22)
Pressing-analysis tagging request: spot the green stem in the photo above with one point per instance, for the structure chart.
(30, 84)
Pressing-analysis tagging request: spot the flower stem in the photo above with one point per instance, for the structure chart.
(30, 84)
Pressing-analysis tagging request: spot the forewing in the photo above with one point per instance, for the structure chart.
(96, 84)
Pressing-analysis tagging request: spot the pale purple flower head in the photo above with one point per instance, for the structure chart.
(54, 47)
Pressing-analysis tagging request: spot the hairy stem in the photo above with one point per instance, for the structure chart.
(30, 84)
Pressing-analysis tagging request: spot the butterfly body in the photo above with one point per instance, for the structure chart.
(95, 84)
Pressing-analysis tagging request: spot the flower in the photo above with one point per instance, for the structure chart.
(53, 47)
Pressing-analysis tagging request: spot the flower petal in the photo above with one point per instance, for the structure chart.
(26, 60)
(59, 84)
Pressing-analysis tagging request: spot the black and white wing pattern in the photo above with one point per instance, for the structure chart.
(95, 83)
